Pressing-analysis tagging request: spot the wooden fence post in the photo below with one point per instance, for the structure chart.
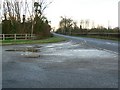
(25, 36)
(3, 35)
(15, 36)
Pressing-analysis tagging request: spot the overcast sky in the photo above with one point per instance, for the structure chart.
(99, 11)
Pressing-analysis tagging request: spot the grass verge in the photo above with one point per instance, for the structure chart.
(98, 37)
(53, 39)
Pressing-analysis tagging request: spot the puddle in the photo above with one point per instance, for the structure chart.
(24, 49)
(59, 45)
(67, 49)
(75, 50)
(30, 55)
(83, 53)
(27, 51)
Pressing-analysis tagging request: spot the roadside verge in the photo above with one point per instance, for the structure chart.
(53, 39)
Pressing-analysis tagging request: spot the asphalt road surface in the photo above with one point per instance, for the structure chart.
(76, 63)
(99, 43)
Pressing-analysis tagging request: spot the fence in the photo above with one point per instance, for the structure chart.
(116, 35)
(16, 36)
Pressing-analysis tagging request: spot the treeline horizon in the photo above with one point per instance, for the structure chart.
(15, 23)
(69, 26)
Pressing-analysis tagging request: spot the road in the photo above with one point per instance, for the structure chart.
(76, 63)
(99, 43)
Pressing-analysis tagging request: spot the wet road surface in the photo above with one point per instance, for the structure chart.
(70, 64)
(108, 45)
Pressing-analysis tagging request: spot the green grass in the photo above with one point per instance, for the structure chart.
(53, 39)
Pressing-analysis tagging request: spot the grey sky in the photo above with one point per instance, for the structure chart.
(99, 11)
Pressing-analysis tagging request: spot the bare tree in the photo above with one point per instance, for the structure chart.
(40, 7)
(62, 24)
(87, 24)
(17, 10)
(82, 23)
(9, 9)
(75, 25)
(66, 24)
(5, 10)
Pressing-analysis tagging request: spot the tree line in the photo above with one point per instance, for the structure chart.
(69, 26)
(15, 23)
